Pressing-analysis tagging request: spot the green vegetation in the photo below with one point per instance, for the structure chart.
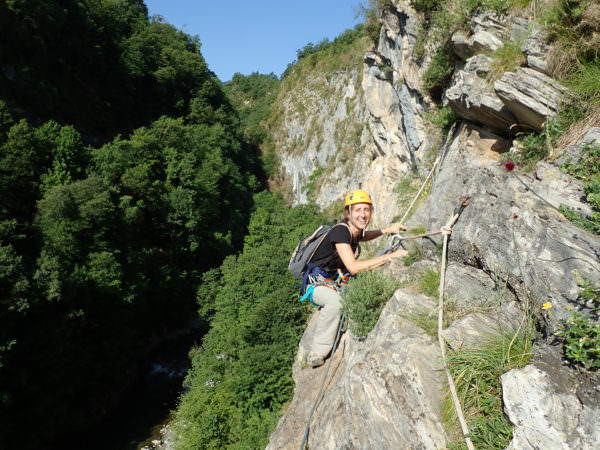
(406, 188)
(241, 375)
(439, 72)
(573, 27)
(345, 50)
(313, 180)
(103, 246)
(442, 117)
(364, 298)
(581, 336)
(414, 255)
(476, 373)
(372, 12)
(573, 30)
(442, 19)
(505, 59)
(580, 333)
(587, 170)
(101, 66)
(428, 283)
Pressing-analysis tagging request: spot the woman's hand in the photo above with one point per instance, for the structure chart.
(401, 253)
(394, 228)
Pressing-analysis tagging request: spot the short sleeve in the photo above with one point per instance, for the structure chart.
(340, 234)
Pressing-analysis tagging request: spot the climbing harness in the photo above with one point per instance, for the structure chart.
(312, 411)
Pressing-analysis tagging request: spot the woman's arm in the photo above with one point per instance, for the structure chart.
(354, 266)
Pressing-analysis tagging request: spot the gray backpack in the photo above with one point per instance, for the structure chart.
(306, 249)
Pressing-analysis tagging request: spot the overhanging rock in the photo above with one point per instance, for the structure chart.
(530, 95)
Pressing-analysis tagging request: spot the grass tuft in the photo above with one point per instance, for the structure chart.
(476, 373)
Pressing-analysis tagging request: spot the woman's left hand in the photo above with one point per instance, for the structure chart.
(394, 228)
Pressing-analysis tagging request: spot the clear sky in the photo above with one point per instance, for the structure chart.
(256, 35)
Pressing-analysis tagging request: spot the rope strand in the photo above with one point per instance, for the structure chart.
(461, 418)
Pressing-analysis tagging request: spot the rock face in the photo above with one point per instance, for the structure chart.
(390, 381)
(366, 129)
(472, 98)
(526, 98)
(550, 408)
(509, 230)
(510, 251)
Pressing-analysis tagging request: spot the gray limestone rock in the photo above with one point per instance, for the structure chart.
(480, 42)
(536, 50)
(519, 29)
(489, 21)
(548, 408)
(558, 188)
(391, 381)
(476, 329)
(530, 95)
(484, 41)
(462, 45)
(468, 287)
(471, 97)
(509, 229)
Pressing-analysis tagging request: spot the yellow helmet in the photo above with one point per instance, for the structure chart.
(357, 196)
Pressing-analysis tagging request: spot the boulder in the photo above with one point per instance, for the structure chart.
(536, 50)
(550, 407)
(480, 42)
(530, 95)
(471, 97)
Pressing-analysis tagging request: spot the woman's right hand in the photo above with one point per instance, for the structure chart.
(400, 253)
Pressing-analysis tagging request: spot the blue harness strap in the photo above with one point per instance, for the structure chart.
(306, 290)
(309, 294)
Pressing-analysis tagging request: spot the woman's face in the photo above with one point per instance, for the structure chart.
(360, 214)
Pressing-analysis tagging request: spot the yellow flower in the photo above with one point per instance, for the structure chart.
(547, 305)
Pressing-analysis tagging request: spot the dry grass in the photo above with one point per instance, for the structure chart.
(578, 129)
(562, 59)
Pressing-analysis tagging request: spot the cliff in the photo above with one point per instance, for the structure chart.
(511, 252)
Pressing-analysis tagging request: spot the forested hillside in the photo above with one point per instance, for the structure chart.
(102, 247)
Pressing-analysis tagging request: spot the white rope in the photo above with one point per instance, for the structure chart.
(422, 187)
(446, 230)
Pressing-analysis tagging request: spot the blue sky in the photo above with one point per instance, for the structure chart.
(256, 35)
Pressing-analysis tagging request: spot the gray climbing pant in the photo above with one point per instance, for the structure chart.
(329, 318)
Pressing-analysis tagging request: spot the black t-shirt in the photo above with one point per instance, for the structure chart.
(326, 256)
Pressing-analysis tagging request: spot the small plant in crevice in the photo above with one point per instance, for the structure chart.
(414, 254)
(505, 59)
(581, 340)
(428, 282)
(588, 171)
(580, 333)
(364, 298)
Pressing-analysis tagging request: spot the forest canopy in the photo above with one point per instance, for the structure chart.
(124, 175)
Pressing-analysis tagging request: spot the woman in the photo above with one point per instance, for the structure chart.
(337, 253)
